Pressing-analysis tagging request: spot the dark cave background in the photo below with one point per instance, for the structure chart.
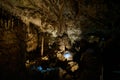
(32, 31)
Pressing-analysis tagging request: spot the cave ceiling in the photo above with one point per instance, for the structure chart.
(63, 16)
(43, 13)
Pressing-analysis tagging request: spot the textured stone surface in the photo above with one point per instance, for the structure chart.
(12, 49)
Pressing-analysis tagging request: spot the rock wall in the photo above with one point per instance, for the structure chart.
(12, 46)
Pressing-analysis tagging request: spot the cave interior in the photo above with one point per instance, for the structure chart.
(59, 40)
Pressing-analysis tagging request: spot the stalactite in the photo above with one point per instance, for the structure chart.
(8, 24)
(12, 23)
(42, 46)
(3, 24)
(6, 27)
(0, 23)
